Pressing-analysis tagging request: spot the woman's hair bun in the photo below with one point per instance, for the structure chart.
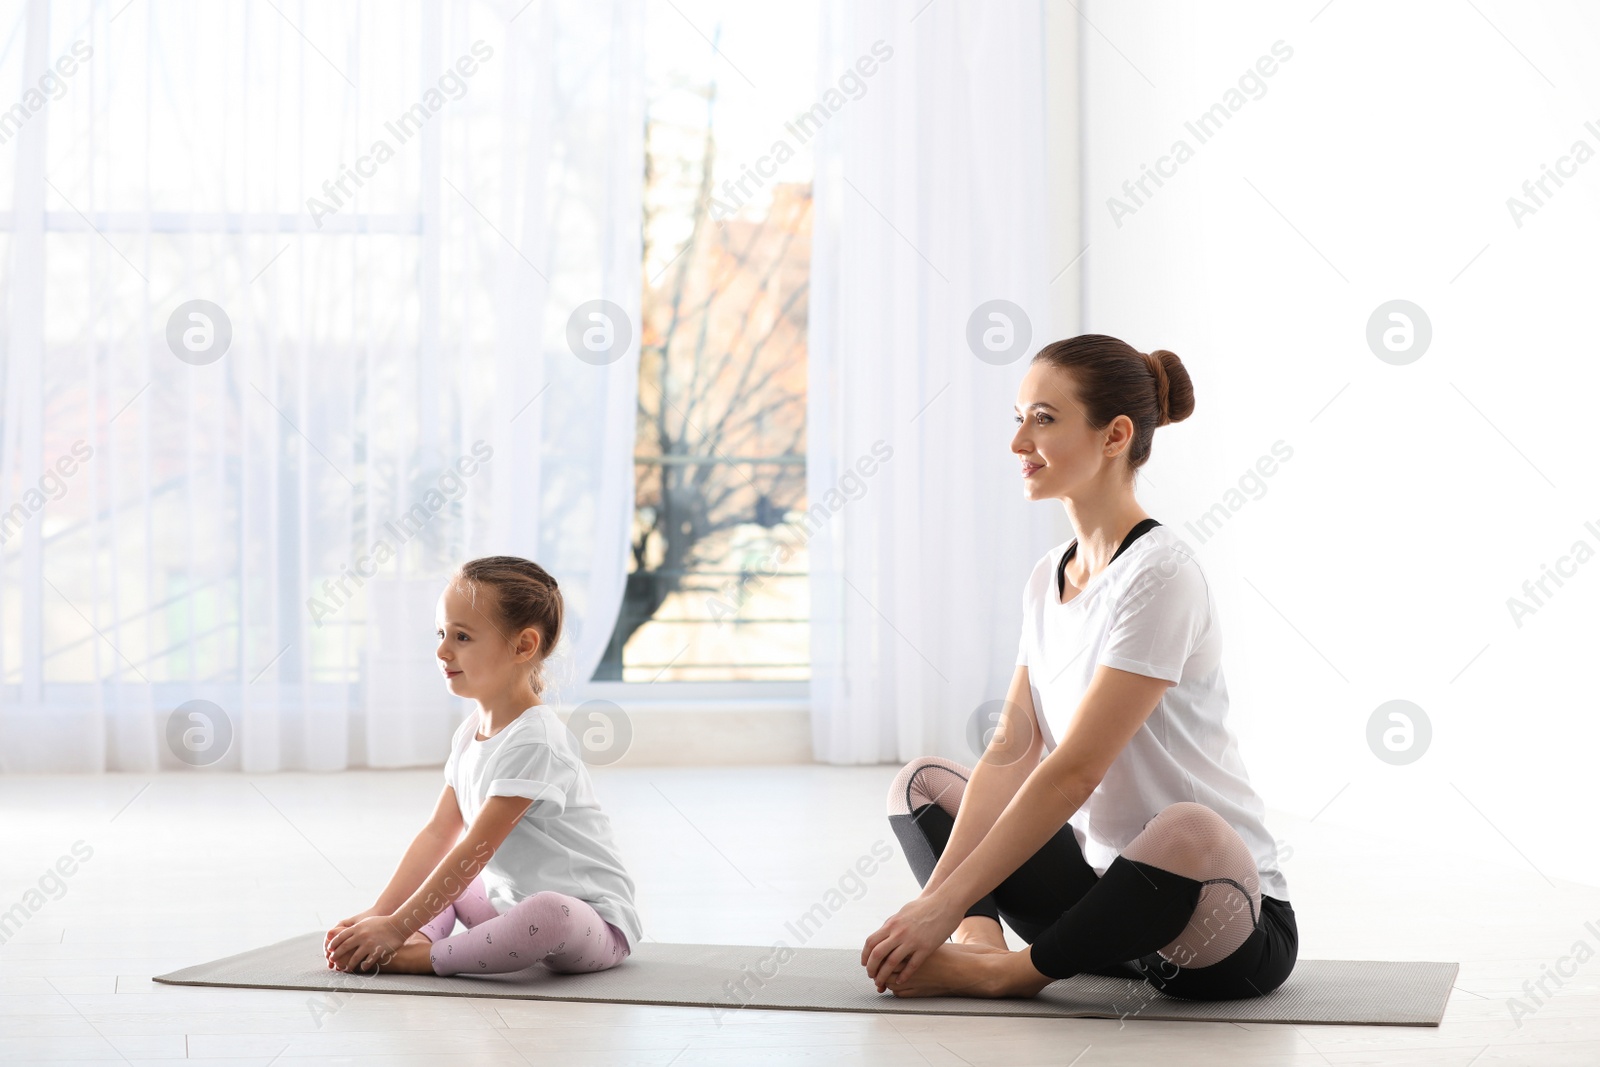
(1174, 390)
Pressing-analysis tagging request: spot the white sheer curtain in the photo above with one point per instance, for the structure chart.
(397, 210)
(930, 201)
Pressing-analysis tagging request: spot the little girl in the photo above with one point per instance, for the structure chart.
(518, 848)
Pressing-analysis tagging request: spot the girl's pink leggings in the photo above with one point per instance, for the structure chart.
(562, 932)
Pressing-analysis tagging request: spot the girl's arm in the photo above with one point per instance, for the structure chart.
(1115, 705)
(460, 865)
(430, 846)
(1013, 753)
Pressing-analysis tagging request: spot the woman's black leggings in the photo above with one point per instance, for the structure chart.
(1080, 923)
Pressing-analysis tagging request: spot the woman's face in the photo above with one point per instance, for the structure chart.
(1057, 448)
(474, 656)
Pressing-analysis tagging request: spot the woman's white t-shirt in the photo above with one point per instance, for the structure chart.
(1149, 612)
(563, 842)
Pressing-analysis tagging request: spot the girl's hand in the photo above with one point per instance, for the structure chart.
(327, 939)
(901, 945)
(370, 941)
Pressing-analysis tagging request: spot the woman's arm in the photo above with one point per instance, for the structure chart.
(461, 865)
(1012, 754)
(1114, 706)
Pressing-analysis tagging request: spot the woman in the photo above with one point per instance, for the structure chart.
(1110, 820)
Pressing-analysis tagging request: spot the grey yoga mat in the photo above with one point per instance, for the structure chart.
(726, 978)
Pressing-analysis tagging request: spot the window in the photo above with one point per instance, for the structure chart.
(715, 592)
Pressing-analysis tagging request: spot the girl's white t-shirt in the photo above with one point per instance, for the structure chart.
(563, 842)
(1149, 612)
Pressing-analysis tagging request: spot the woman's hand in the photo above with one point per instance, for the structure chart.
(370, 941)
(901, 945)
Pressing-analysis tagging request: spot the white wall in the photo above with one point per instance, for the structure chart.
(1376, 563)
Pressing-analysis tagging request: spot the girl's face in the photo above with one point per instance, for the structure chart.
(1058, 450)
(474, 656)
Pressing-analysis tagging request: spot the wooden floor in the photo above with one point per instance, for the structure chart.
(186, 868)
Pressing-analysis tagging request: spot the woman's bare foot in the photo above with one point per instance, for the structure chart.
(980, 930)
(976, 946)
(950, 971)
(972, 970)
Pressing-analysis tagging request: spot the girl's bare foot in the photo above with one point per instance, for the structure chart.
(410, 958)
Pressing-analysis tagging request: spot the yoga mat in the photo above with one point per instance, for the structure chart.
(726, 978)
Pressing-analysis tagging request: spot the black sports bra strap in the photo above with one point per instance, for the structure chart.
(1142, 527)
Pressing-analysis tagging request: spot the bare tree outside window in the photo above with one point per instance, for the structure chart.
(720, 453)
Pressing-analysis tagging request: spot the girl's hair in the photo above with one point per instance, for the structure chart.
(524, 595)
(1114, 378)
